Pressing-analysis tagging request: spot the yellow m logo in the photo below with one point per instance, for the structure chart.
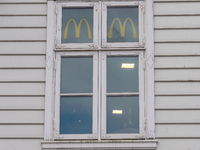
(122, 28)
(77, 29)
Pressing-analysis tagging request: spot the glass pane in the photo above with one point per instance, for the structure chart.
(123, 114)
(76, 74)
(77, 25)
(122, 74)
(75, 115)
(122, 24)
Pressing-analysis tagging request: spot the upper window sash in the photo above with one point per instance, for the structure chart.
(59, 94)
(121, 22)
(77, 25)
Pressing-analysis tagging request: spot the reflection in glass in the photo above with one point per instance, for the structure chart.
(76, 74)
(122, 24)
(75, 115)
(77, 25)
(122, 79)
(126, 119)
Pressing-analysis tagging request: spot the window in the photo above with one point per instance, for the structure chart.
(98, 86)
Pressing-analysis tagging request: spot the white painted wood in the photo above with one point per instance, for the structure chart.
(22, 34)
(177, 101)
(177, 88)
(177, 48)
(23, 47)
(106, 144)
(173, 0)
(180, 74)
(177, 62)
(177, 22)
(23, 9)
(177, 8)
(177, 116)
(50, 75)
(23, 21)
(177, 35)
(20, 144)
(177, 130)
(22, 61)
(22, 88)
(21, 117)
(22, 103)
(178, 144)
(21, 131)
(149, 70)
(22, 74)
(19, 1)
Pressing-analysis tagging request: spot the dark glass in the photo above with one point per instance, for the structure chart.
(122, 79)
(122, 24)
(75, 115)
(76, 74)
(77, 25)
(128, 120)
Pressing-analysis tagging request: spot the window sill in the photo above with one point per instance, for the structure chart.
(103, 144)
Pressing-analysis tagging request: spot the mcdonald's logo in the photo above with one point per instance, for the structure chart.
(77, 29)
(122, 28)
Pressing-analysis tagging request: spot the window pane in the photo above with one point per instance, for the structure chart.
(77, 25)
(76, 115)
(122, 24)
(122, 74)
(123, 114)
(76, 74)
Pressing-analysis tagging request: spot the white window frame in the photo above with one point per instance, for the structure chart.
(59, 44)
(139, 135)
(94, 95)
(104, 25)
(149, 143)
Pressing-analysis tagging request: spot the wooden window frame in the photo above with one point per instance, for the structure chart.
(49, 142)
(105, 44)
(59, 44)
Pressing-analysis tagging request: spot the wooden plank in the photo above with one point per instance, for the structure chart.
(22, 116)
(22, 74)
(177, 88)
(177, 116)
(177, 22)
(22, 88)
(177, 8)
(22, 34)
(179, 74)
(21, 144)
(19, 1)
(23, 9)
(177, 102)
(23, 21)
(177, 62)
(177, 35)
(177, 130)
(22, 103)
(22, 61)
(21, 131)
(23, 47)
(178, 144)
(177, 48)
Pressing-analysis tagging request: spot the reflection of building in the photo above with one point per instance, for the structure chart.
(22, 78)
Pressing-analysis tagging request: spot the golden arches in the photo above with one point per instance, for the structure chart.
(122, 28)
(77, 29)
